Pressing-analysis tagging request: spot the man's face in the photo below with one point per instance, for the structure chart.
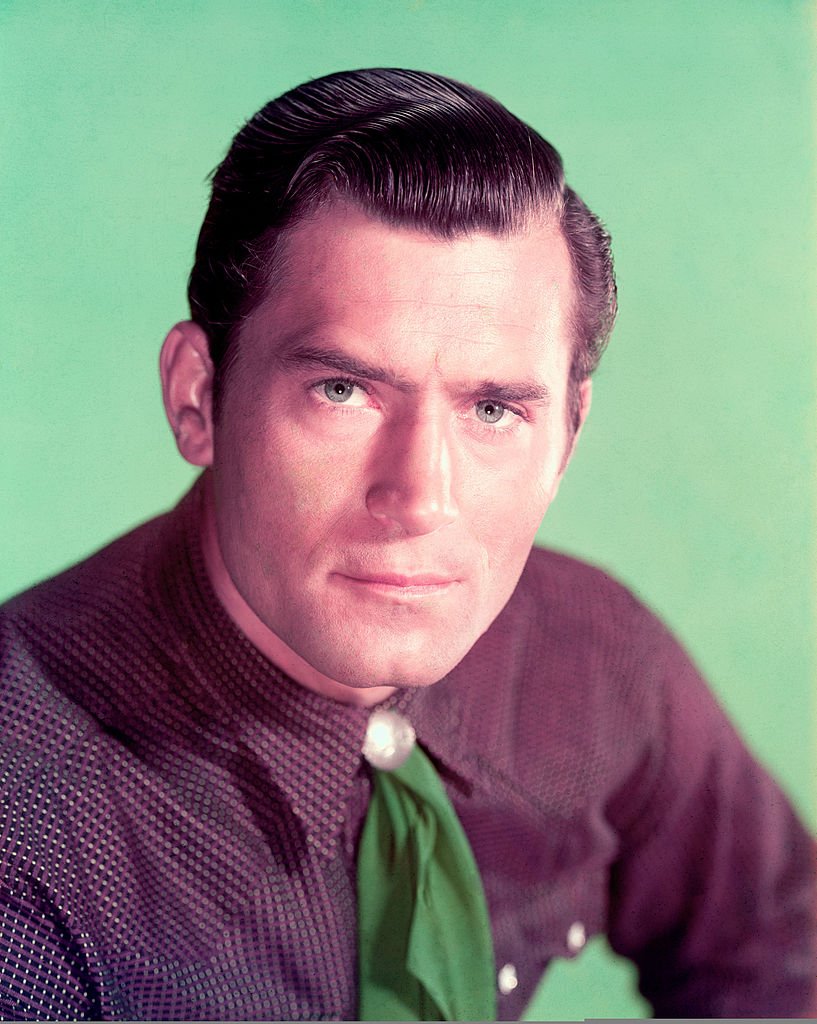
(394, 429)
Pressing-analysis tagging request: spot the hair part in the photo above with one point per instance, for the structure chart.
(412, 148)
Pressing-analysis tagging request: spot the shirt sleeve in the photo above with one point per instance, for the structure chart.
(43, 971)
(713, 896)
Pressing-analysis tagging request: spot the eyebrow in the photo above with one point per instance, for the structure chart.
(302, 354)
(330, 358)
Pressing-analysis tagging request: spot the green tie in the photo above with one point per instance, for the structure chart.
(424, 936)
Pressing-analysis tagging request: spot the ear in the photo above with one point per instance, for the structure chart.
(585, 401)
(187, 389)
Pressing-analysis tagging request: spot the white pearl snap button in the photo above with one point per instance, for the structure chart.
(576, 937)
(506, 979)
(389, 740)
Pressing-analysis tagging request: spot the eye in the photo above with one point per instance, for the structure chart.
(344, 394)
(338, 390)
(490, 411)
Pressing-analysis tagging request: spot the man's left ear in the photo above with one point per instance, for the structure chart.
(187, 389)
(585, 401)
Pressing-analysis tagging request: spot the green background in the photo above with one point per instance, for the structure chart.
(686, 125)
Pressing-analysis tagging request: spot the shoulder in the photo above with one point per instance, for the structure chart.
(61, 640)
(575, 589)
(66, 646)
(576, 619)
(74, 594)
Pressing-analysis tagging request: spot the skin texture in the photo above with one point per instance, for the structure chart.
(365, 529)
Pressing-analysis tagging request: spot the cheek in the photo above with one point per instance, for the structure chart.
(515, 488)
(506, 515)
(289, 481)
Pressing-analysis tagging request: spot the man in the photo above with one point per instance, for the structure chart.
(340, 647)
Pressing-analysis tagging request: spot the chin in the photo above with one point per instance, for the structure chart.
(403, 670)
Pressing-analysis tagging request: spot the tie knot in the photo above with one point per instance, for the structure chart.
(390, 739)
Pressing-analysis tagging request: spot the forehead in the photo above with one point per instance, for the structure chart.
(410, 294)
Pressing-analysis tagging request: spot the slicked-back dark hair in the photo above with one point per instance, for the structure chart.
(412, 148)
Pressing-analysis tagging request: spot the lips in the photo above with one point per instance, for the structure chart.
(403, 580)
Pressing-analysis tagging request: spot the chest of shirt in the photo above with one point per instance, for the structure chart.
(209, 894)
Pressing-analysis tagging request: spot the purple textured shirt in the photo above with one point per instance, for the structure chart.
(180, 819)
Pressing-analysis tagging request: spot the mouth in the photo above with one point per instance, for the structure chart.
(401, 585)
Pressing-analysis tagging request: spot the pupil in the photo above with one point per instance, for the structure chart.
(337, 390)
(491, 412)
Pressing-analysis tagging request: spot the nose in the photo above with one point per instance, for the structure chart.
(413, 480)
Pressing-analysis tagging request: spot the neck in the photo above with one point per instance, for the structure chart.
(261, 636)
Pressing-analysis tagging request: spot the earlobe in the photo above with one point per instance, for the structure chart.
(187, 389)
(585, 401)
